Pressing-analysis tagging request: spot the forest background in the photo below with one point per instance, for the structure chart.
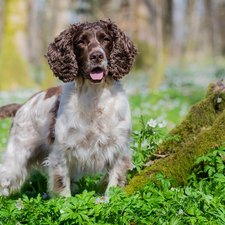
(182, 50)
(181, 45)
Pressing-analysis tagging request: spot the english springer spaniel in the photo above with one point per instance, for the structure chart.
(82, 127)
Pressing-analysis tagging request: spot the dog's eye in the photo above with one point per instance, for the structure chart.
(80, 42)
(106, 40)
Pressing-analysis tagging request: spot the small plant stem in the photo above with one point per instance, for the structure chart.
(156, 218)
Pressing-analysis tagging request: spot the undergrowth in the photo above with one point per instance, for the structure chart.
(159, 202)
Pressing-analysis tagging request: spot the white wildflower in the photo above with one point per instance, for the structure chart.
(1, 223)
(100, 200)
(163, 124)
(5, 191)
(61, 211)
(172, 189)
(5, 183)
(20, 205)
(152, 123)
(18, 223)
(180, 211)
(136, 132)
(144, 144)
(19, 200)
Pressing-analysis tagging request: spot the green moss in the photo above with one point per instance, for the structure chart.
(202, 129)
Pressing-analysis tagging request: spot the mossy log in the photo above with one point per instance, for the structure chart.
(202, 129)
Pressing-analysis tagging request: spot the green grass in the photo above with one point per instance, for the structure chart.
(159, 202)
(171, 105)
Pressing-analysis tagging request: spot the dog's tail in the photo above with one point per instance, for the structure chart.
(9, 110)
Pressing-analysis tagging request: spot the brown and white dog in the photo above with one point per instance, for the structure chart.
(82, 127)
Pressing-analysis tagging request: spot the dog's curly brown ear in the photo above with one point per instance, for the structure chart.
(123, 52)
(61, 57)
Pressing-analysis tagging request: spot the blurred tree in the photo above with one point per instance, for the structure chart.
(221, 24)
(188, 42)
(41, 29)
(184, 30)
(209, 26)
(14, 70)
(2, 11)
(161, 13)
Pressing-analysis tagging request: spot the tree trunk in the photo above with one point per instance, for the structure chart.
(209, 26)
(14, 69)
(161, 12)
(159, 65)
(202, 129)
(189, 23)
(2, 10)
(221, 24)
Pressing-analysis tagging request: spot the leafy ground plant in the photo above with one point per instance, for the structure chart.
(147, 141)
(159, 202)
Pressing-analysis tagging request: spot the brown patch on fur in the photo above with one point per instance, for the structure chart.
(53, 91)
(9, 110)
(11, 127)
(36, 100)
(121, 180)
(128, 162)
(58, 183)
(127, 165)
(104, 182)
(53, 112)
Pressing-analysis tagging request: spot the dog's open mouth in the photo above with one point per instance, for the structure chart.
(97, 75)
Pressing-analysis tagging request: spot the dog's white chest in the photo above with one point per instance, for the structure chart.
(89, 119)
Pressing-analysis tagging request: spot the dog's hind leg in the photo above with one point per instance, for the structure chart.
(14, 168)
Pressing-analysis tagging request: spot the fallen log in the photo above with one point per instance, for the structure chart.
(202, 129)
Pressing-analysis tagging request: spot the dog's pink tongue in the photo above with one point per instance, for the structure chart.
(96, 74)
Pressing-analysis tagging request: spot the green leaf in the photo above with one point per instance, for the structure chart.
(188, 191)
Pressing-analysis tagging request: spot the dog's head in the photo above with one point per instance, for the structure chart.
(91, 50)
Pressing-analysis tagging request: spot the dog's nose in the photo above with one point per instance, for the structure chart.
(96, 56)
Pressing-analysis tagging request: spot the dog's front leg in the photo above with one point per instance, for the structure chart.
(117, 175)
(59, 179)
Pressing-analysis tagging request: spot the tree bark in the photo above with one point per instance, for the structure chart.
(189, 20)
(159, 65)
(2, 10)
(209, 25)
(221, 24)
(14, 70)
(202, 129)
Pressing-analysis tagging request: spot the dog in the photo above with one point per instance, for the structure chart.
(82, 127)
